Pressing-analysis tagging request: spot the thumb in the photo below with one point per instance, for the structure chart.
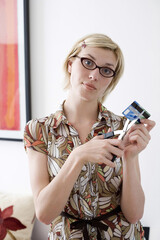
(149, 124)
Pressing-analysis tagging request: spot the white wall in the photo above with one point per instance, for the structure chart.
(55, 26)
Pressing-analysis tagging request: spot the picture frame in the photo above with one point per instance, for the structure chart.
(15, 99)
(146, 232)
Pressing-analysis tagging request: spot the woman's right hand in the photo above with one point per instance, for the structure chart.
(99, 150)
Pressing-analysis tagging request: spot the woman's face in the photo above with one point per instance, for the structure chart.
(87, 84)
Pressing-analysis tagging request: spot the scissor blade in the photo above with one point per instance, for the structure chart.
(117, 132)
(132, 123)
(124, 129)
(127, 127)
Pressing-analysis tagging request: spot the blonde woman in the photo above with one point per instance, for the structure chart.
(77, 188)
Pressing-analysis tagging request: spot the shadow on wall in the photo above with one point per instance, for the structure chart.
(40, 231)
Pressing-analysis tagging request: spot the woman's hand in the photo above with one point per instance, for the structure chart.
(137, 138)
(99, 150)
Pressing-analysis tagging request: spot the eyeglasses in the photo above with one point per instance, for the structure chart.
(91, 65)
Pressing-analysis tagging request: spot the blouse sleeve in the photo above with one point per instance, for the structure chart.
(36, 135)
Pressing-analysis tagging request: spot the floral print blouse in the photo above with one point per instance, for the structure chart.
(98, 187)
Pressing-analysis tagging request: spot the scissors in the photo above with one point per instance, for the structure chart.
(128, 124)
(133, 114)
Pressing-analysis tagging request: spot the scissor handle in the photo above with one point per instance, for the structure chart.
(114, 158)
(106, 136)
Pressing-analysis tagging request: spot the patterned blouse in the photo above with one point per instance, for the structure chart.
(98, 187)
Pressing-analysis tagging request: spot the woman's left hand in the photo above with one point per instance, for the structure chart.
(137, 138)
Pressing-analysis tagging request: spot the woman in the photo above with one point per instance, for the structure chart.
(76, 186)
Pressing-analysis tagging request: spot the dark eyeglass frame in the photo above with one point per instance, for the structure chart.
(96, 66)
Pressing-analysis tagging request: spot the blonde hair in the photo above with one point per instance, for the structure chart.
(98, 41)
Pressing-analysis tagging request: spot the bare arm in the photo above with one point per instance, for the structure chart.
(132, 198)
(50, 198)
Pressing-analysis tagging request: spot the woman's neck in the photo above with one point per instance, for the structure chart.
(80, 111)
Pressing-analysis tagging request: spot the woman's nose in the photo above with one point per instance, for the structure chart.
(94, 74)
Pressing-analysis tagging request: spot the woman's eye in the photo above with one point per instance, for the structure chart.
(88, 63)
(107, 71)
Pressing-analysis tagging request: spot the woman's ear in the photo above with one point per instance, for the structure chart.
(69, 66)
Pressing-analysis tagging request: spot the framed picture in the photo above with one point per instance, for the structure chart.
(15, 107)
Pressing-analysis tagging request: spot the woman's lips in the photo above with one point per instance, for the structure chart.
(89, 86)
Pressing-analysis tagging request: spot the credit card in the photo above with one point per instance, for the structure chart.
(135, 111)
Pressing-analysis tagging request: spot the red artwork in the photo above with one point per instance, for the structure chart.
(9, 76)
